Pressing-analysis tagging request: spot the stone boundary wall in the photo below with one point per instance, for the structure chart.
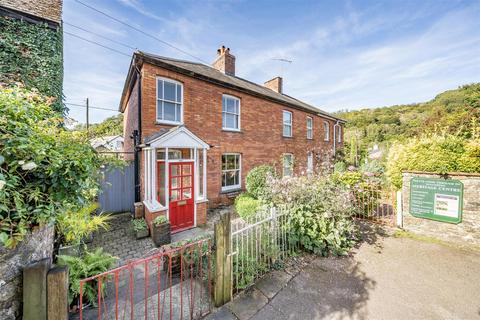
(467, 231)
(35, 247)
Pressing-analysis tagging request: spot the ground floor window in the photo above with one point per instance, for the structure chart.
(310, 162)
(231, 171)
(287, 164)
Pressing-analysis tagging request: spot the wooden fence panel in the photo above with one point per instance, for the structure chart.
(117, 189)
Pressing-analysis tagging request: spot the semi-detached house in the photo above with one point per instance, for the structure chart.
(196, 130)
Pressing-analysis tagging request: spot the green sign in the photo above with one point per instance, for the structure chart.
(436, 199)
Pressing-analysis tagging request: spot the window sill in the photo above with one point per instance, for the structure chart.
(171, 123)
(232, 130)
(287, 137)
(232, 190)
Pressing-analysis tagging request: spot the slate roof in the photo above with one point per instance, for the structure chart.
(211, 74)
(157, 134)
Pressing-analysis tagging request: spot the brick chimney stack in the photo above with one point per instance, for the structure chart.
(225, 61)
(276, 84)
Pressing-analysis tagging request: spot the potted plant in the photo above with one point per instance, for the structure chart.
(161, 231)
(140, 228)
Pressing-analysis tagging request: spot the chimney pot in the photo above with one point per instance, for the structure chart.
(225, 62)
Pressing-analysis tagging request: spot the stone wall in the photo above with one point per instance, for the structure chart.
(467, 231)
(36, 246)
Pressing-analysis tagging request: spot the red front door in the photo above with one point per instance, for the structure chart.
(181, 195)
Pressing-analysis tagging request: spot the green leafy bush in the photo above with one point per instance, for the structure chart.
(91, 264)
(319, 210)
(438, 152)
(160, 220)
(246, 205)
(256, 180)
(34, 55)
(76, 224)
(139, 224)
(44, 169)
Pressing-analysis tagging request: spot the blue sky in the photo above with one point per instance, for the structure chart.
(346, 54)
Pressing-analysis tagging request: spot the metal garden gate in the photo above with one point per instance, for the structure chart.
(117, 189)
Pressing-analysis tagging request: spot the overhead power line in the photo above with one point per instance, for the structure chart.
(99, 35)
(96, 43)
(90, 107)
(141, 31)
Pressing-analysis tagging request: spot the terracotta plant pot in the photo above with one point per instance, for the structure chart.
(161, 234)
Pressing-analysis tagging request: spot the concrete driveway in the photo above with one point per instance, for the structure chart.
(385, 278)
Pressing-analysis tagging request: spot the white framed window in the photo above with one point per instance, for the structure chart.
(309, 128)
(339, 133)
(287, 123)
(169, 101)
(230, 113)
(326, 131)
(231, 171)
(287, 164)
(310, 162)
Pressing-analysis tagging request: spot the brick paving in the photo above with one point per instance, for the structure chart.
(119, 240)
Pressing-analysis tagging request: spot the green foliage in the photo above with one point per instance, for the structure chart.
(246, 205)
(319, 212)
(452, 111)
(44, 168)
(439, 153)
(256, 180)
(32, 54)
(78, 223)
(160, 220)
(108, 127)
(139, 224)
(245, 269)
(91, 264)
(340, 166)
(347, 178)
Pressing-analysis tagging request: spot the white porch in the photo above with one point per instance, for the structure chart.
(176, 146)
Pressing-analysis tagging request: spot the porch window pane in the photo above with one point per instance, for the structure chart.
(187, 193)
(175, 195)
(174, 170)
(161, 183)
(186, 170)
(175, 183)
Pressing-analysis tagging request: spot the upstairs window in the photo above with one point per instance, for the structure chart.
(169, 101)
(231, 171)
(309, 128)
(287, 164)
(230, 113)
(287, 123)
(326, 131)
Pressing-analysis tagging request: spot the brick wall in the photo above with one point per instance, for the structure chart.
(46, 9)
(260, 140)
(130, 122)
(467, 231)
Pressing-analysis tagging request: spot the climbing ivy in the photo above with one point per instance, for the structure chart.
(32, 54)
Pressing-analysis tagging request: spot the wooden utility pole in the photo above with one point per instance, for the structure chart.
(87, 118)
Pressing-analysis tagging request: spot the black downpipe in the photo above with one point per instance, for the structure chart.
(138, 137)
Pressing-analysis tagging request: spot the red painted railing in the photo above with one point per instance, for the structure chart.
(172, 284)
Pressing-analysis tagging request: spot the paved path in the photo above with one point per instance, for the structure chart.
(385, 278)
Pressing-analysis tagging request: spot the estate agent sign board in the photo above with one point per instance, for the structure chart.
(436, 199)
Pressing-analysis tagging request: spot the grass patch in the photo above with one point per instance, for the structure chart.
(428, 239)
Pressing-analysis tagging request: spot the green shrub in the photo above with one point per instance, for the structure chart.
(76, 224)
(256, 180)
(139, 224)
(160, 220)
(44, 169)
(246, 205)
(319, 213)
(439, 153)
(91, 264)
(340, 167)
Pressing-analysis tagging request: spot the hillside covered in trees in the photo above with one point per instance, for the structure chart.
(454, 111)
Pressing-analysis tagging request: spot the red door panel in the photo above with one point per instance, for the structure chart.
(181, 195)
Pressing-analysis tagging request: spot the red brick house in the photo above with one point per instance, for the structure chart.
(197, 130)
